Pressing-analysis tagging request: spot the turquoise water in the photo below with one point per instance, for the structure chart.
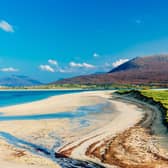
(8, 98)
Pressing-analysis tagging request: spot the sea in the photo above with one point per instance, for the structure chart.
(14, 97)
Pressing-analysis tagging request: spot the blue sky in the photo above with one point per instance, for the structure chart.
(53, 39)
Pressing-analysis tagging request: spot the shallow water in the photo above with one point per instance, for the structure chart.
(8, 98)
(80, 112)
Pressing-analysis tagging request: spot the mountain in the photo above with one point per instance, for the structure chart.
(150, 63)
(18, 80)
(140, 70)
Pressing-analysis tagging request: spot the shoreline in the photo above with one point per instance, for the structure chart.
(45, 132)
(54, 104)
(99, 143)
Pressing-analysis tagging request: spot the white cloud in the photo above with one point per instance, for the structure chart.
(54, 67)
(81, 65)
(9, 69)
(95, 55)
(53, 62)
(46, 68)
(5, 26)
(73, 64)
(86, 65)
(119, 62)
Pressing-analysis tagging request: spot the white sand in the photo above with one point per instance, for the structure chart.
(37, 131)
(127, 116)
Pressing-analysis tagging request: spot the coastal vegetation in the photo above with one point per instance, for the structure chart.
(154, 97)
(158, 96)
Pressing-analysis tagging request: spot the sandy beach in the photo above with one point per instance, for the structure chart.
(62, 103)
(119, 123)
(68, 137)
(45, 132)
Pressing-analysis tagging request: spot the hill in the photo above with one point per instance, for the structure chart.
(18, 80)
(140, 70)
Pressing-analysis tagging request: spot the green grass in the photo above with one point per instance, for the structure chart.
(158, 95)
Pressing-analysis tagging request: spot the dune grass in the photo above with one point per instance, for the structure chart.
(158, 95)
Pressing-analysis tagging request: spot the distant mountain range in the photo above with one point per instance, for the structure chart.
(140, 70)
(18, 80)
